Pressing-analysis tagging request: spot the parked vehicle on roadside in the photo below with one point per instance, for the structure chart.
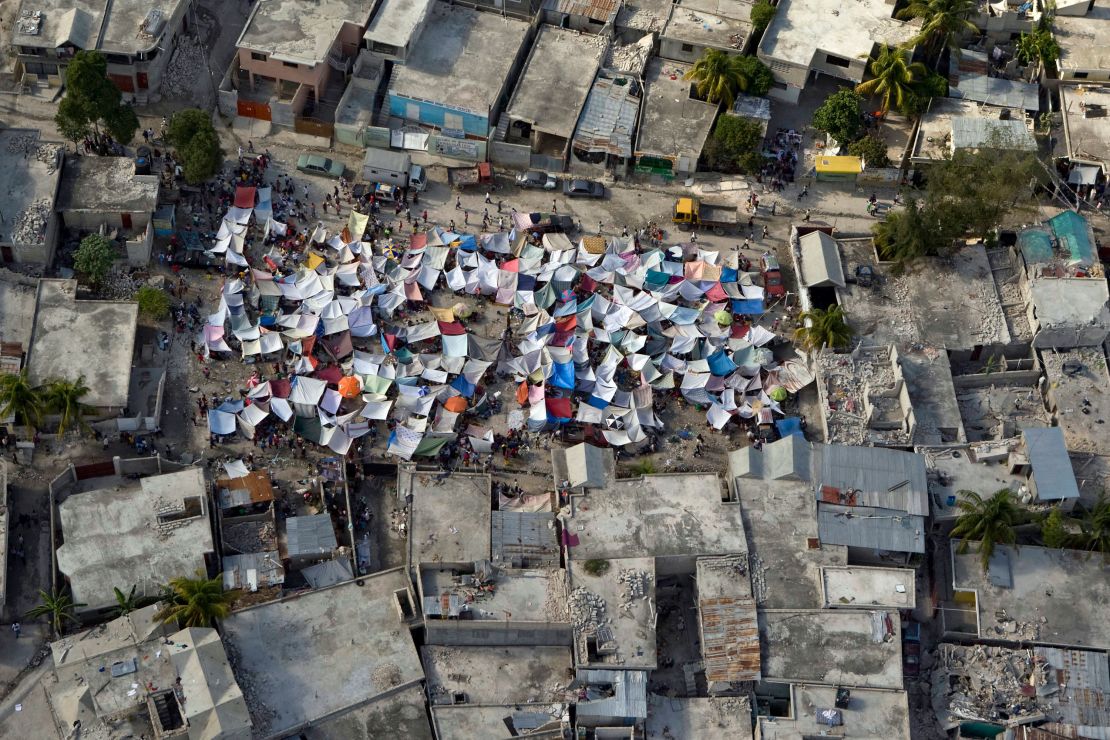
(314, 164)
(537, 180)
(583, 189)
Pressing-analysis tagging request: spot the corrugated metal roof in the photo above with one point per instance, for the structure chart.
(267, 565)
(974, 133)
(874, 476)
(1083, 680)
(820, 255)
(524, 539)
(599, 10)
(608, 118)
(252, 488)
(1022, 96)
(730, 638)
(629, 697)
(328, 573)
(1048, 457)
(874, 529)
(310, 535)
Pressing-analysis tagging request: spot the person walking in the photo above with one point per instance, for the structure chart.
(458, 203)
(806, 218)
(554, 206)
(488, 198)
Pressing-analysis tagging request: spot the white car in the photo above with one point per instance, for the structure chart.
(536, 179)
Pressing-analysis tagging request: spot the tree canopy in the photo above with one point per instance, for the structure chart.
(735, 145)
(839, 116)
(894, 80)
(719, 77)
(153, 302)
(94, 258)
(195, 602)
(93, 102)
(761, 15)
(822, 328)
(943, 22)
(988, 521)
(872, 150)
(198, 146)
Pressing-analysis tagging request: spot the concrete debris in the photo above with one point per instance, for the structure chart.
(249, 537)
(629, 57)
(29, 145)
(587, 610)
(386, 676)
(187, 68)
(636, 584)
(758, 576)
(30, 224)
(862, 397)
(992, 684)
(642, 19)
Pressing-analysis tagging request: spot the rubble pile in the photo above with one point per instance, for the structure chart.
(186, 67)
(30, 224)
(642, 19)
(852, 382)
(250, 536)
(386, 676)
(629, 57)
(636, 584)
(758, 575)
(119, 286)
(587, 610)
(991, 684)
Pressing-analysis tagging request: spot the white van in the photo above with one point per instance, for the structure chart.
(418, 179)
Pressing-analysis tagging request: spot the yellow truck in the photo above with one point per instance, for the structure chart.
(691, 213)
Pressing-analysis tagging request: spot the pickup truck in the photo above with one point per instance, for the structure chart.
(461, 177)
(691, 213)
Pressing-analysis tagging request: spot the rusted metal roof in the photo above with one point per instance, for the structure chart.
(598, 10)
(253, 488)
(730, 638)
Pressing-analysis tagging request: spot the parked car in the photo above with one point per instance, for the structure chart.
(537, 179)
(583, 189)
(314, 164)
(772, 276)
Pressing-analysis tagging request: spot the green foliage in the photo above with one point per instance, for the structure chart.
(893, 81)
(1040, 45)
(129, 602)
(153, 302)
(20, 399)
(822, 328)
(197, 143)
(735, 146)
(57, 607)
(839, 116)
(943, 23)
(195, 602)
(644, 467)
(872, 150)
(63, 397)
(918, 230)
(719, 77)
(761, 15)
(94, 258)
(596, 567)
(1053, 531)
(1096, 527)
(989, 521)
(91, 100)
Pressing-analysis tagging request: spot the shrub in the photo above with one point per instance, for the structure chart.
(153, 302)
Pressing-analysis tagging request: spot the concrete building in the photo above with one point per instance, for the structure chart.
(449, 524)
(727, 625)
(395, 27)
(951, 124)
(697, 25)
(467, 721)
(459, 79)
(593, 16)
(136, 38)
(1083, 43)
(71, 338)
(350, 645)
(600, 590)
(1075, 393)
(673, 125)
(142, 535)
(864, 396)
(29, 179)
(1030, 595)
(292, 58)
(870, 713)
(829, 38)
(1086, 139)
(493, 675)
(699, 717)
(100, 192)
(560, 60)
(136, 674)
(608, 122)
(862, 587)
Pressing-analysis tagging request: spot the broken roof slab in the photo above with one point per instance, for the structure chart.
(497, 675)
(861, 587)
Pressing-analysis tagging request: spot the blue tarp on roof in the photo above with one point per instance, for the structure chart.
(1073, 234)
(789, 425)
(749, 306)
(562, 375)
(463, 386)
(720, 363)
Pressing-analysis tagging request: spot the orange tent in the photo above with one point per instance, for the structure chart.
(350, 386)
(456, 404)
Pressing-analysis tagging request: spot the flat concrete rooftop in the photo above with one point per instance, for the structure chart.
(859, 587)
(395, 21)
(678, 514)
(497, 675)
(17, 311)
(90, 24)
(1057, 597)
(1069, 303)
(468, 721)
(300, 32)
(1084, 40)
(837, 647)
(1081, 397)
(403, 714)
(871, 713)
(1085, 131)
(450, 519)
(121, 32)
(321, 653)
(722, 24)
(962, 470)
(106, 185)
(523, 594)
(672, 123)
(802, 30)
(631, 621)
(563, 61)
(699, 717)
(25, 181)
(94, 339)
(462, 58)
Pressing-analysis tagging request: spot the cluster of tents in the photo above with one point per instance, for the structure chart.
(599, 334)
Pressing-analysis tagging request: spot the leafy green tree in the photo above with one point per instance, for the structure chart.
(839, 116)
(191, 133)
(988, 521)
(63, 397)
(196, 602)
(1038, 46)
(893, 79)
(872, 150)
(974, 190)
(153, 302)
(1054, 532)
(822, 328)
(762, 13)
(57, 607)
(20, 399)
(92, 100)
(1096, 527)
(917, 230)
(719, 77)
(735, 146)
(943, 22)
(130, 601)
(94, 258)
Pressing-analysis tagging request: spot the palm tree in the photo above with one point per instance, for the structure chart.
(19, 398)
(990, 521)
(822, 328)
(893, 80)
(718, 77)
(1096, 527)
(63, 397)
(196, 602)
(943, 22)
(59, 607)
(129, 602)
